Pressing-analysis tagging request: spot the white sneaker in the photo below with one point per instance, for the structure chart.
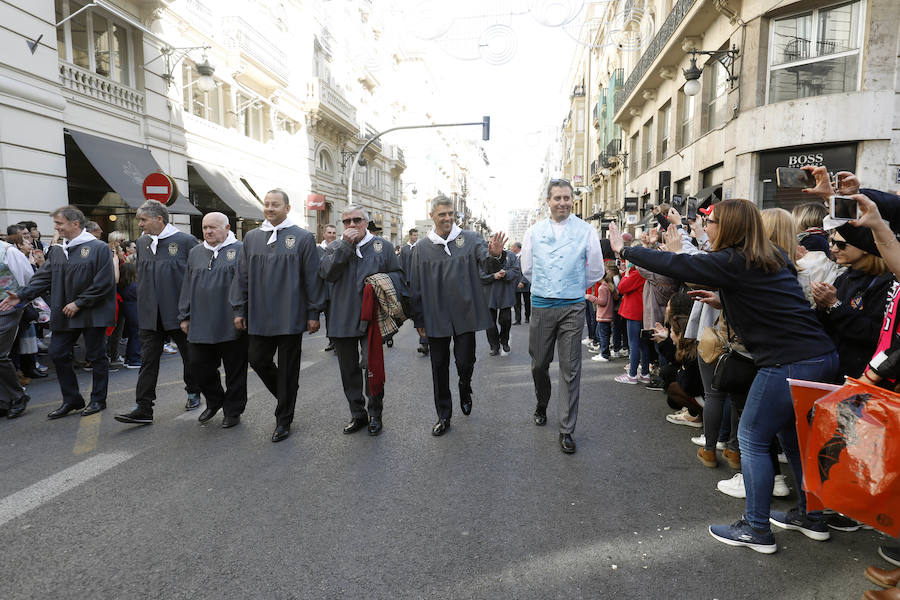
(700, 440)
(170, 348)
(781, 489)
(684, 418)
(644, 378)
(599, 358)
(586, 341)
(626, 378)
(593, 347)
(733, 487)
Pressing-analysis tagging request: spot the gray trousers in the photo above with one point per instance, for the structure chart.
(10, 390)
(550, 327)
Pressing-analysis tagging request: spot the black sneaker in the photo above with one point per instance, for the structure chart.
(139, 416)
(890, 554)
(656, 383)
(841, 522)
(814, 529)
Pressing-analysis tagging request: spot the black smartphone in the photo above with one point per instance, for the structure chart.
(677, 202)
(844, 207)
(691, 213)
(646, 334)
(787, 177)
(662, 220)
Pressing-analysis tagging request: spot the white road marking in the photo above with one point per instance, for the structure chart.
(19, 503)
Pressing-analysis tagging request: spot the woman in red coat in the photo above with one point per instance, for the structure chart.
(631, 288)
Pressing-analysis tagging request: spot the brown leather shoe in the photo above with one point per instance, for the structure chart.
(733, 457)
(883, 577)
(707, 457)
(889, 594)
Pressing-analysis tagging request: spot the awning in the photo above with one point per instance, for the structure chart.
(709, 195)
(230, 190)
(124, 168)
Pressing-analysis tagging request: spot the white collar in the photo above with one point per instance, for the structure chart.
(230, 239)
(168, 230)
(79, 239)
(412, 244)
(323, 244)
(454, 233)
(266, 226)
(366, 239)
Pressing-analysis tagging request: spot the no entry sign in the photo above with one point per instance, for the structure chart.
(160, 187)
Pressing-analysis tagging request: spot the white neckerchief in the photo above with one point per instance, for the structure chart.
(167, 231)
(79, 239)
(412, 244)
(266, 226)
(454, 233)
(366, 239)
(230, 239)
(324, 244)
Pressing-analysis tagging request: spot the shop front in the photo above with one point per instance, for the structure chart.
(836, 157)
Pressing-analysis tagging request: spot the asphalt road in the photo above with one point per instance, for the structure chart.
(91, 508)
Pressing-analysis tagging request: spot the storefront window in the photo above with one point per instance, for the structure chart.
(815, 53)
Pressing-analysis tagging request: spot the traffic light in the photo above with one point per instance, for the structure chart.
(486, 128)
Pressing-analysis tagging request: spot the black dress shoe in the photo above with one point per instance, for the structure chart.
(35, 373)
(441, 427)
(540, 418)
(281, 433)
(17, 407)
(494, 351)
(64, 410)
(375, 426)
(207, 414)
(193, 401)
(330, 346)
(230, 421)
(139, 416)
(465, 402)
(355, 425)
(93, 407)
(567, 443)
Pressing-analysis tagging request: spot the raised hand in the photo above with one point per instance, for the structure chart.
(823, 182)
(673, 239)
(615, 239)
(497, 243)
(848, 183)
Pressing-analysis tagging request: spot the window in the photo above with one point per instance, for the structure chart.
(324, 162)
(206, 105)
(647, 144)
(686, 119)
(252, 116)
(633, 150)
(815, 53)
(663, 135)
(715, 93)
(94, 41)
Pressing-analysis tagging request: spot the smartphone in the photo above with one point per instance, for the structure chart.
(787, 177)
(662, 220)
(677, 202)
(646, 334)
(691, 213)
(844, 207)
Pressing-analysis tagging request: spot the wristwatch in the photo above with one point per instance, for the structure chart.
(832, 307)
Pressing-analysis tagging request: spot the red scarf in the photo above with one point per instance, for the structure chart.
(375, 353)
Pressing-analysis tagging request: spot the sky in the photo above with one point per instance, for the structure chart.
(526, 94)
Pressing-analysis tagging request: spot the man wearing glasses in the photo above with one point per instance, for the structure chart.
(562, 257)
(210, 328)
(277, 295)
(345, 267)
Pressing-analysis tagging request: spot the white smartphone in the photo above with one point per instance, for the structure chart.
(844, 208)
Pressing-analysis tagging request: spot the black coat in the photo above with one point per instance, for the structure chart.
(204, 295)
(160, 277)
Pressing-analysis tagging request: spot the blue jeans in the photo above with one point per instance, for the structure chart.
(640, 348)
(769, 411)
(604, 332)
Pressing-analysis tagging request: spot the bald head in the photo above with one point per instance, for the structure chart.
(215, 228)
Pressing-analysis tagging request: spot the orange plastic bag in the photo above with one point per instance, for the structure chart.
(805, 394)
(852, 458)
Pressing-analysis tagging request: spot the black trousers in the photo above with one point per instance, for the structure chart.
(520, 298)
(503, 316)
(60, 352)
(464, 353)
(282, 380)
(152, 341)
(205, 359)
(354, 378)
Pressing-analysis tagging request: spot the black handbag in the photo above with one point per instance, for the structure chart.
(734, 372)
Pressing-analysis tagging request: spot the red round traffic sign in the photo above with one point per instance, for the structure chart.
(160, 187)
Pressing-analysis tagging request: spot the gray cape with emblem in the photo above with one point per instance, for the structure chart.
(277, 287)
(86, 278)
(160, 277)
(446, 290)
(204, 294)
(501, 293)
(345, 273)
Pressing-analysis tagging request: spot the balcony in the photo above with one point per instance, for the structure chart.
(256, 47)
(327, 102)
(100, 88)
(369, 134)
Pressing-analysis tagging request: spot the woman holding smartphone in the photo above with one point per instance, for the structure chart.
(759, 292)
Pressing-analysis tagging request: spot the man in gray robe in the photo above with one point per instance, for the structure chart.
(82, 287)
(208, 320)
(405, 262)
(277, 295)
(445, 283)
(345, 266)
(500, 292)
(328, 236)
(15, 273)
(162, 255)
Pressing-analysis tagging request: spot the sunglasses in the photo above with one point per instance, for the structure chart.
(354, 220)
(837, 244)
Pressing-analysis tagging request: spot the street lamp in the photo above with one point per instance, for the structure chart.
(206, 81)
(692, 74)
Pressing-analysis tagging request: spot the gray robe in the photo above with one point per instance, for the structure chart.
(277, 288)
(406, 253)
(204, 294)
(345, 273)
(446, 290)
(86, 278)
(160, 277)
(501, 293)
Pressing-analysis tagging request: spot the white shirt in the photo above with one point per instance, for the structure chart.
(594, 270)
(229, 239)
(168, 230)
(79, 239)
(18, 265)
(454, 233)
(266, 226)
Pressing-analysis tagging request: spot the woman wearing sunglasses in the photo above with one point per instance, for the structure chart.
(759, 293)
